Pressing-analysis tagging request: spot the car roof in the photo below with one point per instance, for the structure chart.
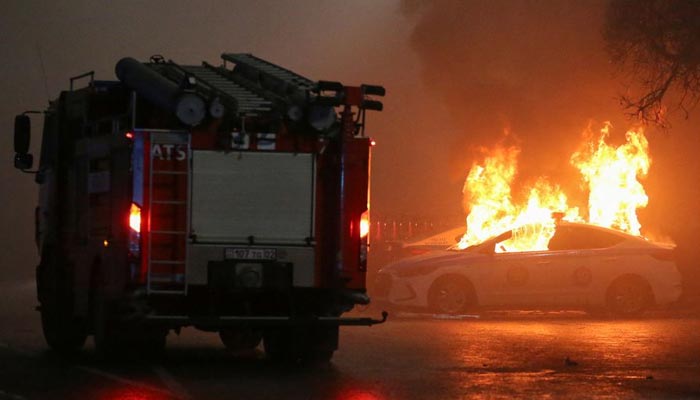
(584, 225)
(598, 228)
(627, 236)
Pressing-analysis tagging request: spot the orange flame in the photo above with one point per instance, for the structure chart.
(611, 174)
(615, 193)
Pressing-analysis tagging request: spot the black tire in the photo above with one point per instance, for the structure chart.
(307, 345)
(452, 295)
(278, 345)
(63, 333)
(109, 341)
(629, 296)
(116, 339)
(240, 339)
(324, 343)
(149, 342)
(121, 341)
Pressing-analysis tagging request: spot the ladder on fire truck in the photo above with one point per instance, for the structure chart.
(168, 195)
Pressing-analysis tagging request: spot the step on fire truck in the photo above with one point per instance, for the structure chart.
(230, 198)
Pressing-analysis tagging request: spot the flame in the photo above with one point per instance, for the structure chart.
(610, 173)
(487, 195)
(615, 193)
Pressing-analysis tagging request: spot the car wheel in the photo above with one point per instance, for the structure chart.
(451, 295)
(628, 296)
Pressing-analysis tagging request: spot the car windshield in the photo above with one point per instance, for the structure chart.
(488, 242)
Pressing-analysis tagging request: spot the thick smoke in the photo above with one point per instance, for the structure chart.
(536, 68)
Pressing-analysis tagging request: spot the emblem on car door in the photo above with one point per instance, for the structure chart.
(517, 275)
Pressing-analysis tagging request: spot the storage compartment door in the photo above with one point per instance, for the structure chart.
(239, 197)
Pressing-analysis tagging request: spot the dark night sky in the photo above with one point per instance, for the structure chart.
(457, 73)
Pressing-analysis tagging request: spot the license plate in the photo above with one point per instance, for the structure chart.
(242, 253)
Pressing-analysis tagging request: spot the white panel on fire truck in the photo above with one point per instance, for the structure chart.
(242, 196)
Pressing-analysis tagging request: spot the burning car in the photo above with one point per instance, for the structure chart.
(580, 266)
(425, 244)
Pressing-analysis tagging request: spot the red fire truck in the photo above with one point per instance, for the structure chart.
(230, 198)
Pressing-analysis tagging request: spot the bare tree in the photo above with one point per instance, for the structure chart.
(658, 43)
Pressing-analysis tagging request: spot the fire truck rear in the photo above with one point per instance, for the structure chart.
(232, 198)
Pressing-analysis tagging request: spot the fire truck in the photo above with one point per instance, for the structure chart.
(232, 198)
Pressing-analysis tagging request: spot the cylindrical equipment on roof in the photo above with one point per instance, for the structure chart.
(189, 108)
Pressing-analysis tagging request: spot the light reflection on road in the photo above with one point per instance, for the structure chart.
(531, 358)
(501, 356)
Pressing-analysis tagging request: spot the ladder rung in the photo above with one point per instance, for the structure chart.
(155, 279)
(158, 291)
(160, 277)
(167, 262)
(165, 172)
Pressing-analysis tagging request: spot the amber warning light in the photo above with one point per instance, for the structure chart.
(135, 218)
(364, 224)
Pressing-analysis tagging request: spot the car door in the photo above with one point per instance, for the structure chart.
(520, 276)
(579, 257)
(514, 279)
(558, 277)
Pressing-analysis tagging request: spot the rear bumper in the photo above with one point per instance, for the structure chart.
(262, 321)
(210, 309)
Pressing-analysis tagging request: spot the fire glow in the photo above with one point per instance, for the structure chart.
(610, 174)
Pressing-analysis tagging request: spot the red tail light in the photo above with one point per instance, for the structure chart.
(135, 218)
(364, 239)
(364, 224)
(135, 264)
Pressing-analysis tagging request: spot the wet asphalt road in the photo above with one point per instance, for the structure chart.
(498, 355)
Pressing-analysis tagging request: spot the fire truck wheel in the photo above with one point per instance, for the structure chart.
(324, 343)
(629, 295)
(240, 339)
(108, 340)
(148, 342)
(120, 341)
(318, 355)
(451, 294)
(311, 344)
(62, 333)
(278, 345)
(116, 340)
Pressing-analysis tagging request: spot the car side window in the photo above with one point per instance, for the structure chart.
(526, 238)
(579, 238)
